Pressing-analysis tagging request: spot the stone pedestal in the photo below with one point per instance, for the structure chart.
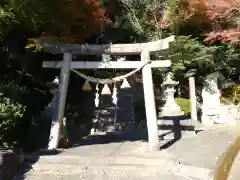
(229, 114)
(209, 120)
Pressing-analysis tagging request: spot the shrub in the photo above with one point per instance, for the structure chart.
(236, 94)
(185, 105)
(11, 110)
(231, 94)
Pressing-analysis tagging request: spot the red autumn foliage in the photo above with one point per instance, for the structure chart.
(217, 9)
(231, 36)
(222, 12)
(223, 15)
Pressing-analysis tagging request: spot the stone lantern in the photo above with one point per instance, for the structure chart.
(170, 107)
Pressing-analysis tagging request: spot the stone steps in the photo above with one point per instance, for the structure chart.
(186, 123)
(98, 161)
(174, 128)
(170, 135)
(229, 114)
(107, 174)
(75, 167)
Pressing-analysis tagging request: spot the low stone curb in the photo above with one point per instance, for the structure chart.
(226, 161)
(9, 164)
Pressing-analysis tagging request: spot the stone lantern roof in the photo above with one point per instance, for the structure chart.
(170, 81)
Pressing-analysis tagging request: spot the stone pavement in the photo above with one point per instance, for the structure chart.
(112, 158)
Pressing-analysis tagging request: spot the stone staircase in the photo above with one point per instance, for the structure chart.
(120, 159)
(110, 117)
(178, 127)
(106, 166)
(229, 114)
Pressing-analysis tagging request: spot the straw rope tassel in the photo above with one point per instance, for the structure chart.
(114, 95)
(97, 96)
(125, 84)
(106, 90)
(86, 86)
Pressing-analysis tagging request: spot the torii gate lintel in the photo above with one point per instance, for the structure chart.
(116, 49)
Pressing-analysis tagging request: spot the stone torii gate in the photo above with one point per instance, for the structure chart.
(142, 49)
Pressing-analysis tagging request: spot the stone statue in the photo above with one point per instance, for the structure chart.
(211, 102)
(49, 109)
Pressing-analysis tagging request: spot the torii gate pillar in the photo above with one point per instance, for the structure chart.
(150, 107)
(61, 101)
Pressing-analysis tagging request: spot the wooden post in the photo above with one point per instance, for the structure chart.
(150, 106)
(192, 91)
(60, 106)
